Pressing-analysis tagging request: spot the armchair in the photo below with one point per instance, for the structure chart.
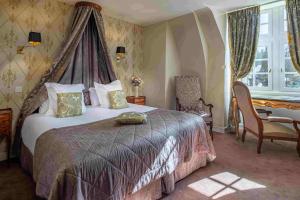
(264, 128)
(188, 99)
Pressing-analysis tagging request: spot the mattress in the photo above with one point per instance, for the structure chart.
(37, 124)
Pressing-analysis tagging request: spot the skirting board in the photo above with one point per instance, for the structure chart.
(219, 129)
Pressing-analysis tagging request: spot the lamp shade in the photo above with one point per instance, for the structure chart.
(34, 38)
(120, 50)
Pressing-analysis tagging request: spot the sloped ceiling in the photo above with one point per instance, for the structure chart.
(145, 12)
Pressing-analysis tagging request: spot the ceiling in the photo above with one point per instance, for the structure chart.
(145, 12)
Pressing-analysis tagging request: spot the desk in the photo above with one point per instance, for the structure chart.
(288, 102)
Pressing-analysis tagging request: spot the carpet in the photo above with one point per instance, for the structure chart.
(238, 173)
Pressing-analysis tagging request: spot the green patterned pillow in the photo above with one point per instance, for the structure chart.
(69, 104)
(132, 118)
(117, 99)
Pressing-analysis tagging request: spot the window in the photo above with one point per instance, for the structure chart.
(273, 69)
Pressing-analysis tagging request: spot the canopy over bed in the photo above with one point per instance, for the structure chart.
(83, 59)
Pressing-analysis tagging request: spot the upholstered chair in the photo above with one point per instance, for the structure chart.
(188, 99)
(264, 127)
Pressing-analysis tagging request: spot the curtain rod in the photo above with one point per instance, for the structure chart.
(264, 4)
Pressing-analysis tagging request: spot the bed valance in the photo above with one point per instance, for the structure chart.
(83, 59)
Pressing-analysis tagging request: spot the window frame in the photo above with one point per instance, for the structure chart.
(275, 41)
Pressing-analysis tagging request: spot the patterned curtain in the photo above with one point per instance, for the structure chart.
(243, 32)
(293, 17)
(82, 59)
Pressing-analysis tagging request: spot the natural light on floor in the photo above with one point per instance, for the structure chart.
(222, 184)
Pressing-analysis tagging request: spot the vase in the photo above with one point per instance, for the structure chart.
(136, 91)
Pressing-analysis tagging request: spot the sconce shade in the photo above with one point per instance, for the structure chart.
(34, 38)
(120, 50)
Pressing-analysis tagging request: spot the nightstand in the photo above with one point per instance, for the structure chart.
(140, 100)
(5, 127)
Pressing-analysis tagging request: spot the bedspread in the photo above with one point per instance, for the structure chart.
(104, 160)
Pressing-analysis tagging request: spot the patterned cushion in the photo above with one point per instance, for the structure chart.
(117, 99)
(69, 104)
(132, 118)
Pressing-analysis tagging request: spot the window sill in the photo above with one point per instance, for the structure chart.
(275, 93)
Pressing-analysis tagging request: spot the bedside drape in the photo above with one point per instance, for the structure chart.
(293, 18)
(83, 59)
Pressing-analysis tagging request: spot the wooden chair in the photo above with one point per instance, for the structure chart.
(263, 128)
(188, 99)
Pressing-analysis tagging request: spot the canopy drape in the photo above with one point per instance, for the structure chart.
(243, 35)
(83, 59)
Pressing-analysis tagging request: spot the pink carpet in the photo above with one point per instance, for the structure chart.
(239, 173)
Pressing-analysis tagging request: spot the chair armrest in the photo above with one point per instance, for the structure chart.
(203, 102)
(281, 119)
(210, 106)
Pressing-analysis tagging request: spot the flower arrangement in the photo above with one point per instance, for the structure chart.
(136, 81)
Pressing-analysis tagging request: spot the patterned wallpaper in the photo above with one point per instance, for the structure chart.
(52, 18)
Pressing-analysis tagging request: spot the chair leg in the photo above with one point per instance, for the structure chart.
(211, 130)
(271, 140)
(244, 135)
(260, 140)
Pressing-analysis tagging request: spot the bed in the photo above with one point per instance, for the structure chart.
(92, 157)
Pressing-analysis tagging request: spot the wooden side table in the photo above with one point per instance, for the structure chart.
(6, 127)
(140, 100)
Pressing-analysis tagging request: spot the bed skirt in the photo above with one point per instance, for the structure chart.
(154, 190)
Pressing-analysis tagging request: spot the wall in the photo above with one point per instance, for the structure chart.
(52, 18)
(191, 44)
(173, 67)
(154, 64)
(215, 72)
(161, 65)
(190, 47)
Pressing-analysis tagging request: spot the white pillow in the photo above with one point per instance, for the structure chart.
(44, 107)
(54, 88)
(94, 97)
(103, 89)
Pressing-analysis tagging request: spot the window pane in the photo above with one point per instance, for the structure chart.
(289, 66)
(261, 66)
(262, 52)
(264, 29)
(285, 26)
(284, 14)
(264, 18)
(261, 80)
(286, 51)
(292, 81)
(249, 80)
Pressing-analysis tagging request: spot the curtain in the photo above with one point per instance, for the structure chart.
(293, 17)
(83, 59)
(243, 32)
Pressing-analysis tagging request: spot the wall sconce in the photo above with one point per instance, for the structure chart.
(120, 53)
(34, 39)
